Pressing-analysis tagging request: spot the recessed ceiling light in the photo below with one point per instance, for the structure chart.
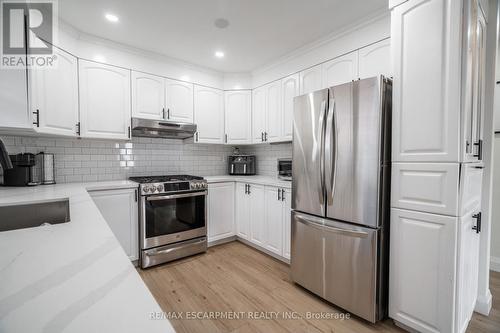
(111, 18)
(219, 54)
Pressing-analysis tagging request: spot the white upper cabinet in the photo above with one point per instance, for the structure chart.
(258, 114)
(238, 111)
(289, 90)
(310, 79)
(274, 112)
(340, 70)
(209, 114)
(148, 96)
(179, 101)
(104, 101)
(426, 91)
(375, 59)
(54, 96)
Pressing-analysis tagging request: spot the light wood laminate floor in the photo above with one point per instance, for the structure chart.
(234, 278)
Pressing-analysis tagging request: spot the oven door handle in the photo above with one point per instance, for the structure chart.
(176, 196)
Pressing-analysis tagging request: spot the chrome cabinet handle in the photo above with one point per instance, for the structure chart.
(163, 113)
(262, 136)
(282, 195)
(248, 188)
(279, 194)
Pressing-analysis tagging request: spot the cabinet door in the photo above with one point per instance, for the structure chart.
(375, 59)
(274, 220)
(238, 110)
(257, 215)
(179, 101)
(104, 101)
(468, 269)
(473, 83)
(426, 92)
(258, 114)
(54, 95)
(220, 211)
(274, 112)
(119, 209)
(310, 80)
(209, 114)
(148, 96)
(422, 253)
(340, 70)
(287, 214)
(242, 211)
(289, 90)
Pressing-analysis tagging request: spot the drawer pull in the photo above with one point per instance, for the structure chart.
(477, 227)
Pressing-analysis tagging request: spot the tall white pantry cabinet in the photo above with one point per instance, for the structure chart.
(437, 162)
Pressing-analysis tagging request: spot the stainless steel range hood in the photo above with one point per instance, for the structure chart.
(162, 129)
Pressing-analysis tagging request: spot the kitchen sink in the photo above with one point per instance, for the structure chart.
(22, 215)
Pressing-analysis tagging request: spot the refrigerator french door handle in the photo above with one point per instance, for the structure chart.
(323, 227)
(330, 150)
(322, 153)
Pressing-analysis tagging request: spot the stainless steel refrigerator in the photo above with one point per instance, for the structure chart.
(341, 195)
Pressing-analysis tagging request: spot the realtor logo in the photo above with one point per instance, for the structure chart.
(28, 29)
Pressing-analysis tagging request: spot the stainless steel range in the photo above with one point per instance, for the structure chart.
(172, 217)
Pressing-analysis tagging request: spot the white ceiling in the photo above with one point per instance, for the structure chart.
(259, 31)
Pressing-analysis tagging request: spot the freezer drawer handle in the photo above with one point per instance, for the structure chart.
(359, 234)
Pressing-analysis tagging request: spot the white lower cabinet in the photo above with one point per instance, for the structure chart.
(119, 209)
(274, 220)
(287, 222)
(434, 262)
(263, 217)
(422, 274)
(468, 268)
(257, 215)
(220, 211)
(242, 214)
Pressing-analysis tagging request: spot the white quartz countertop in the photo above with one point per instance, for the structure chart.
(71, 277)
(261, 180)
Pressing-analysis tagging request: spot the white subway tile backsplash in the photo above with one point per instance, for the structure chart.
(86, 160)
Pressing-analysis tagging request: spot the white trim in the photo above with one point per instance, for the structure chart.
(483, 304)
(495, 264)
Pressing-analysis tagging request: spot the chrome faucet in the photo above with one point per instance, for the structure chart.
(5, 161)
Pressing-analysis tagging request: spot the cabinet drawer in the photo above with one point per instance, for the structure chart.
(427, 187)
(471, 179)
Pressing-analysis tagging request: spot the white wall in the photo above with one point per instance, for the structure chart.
(358, 35)
(106, 51)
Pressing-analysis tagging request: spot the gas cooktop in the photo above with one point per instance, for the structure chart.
(169, 184)
(164, 179)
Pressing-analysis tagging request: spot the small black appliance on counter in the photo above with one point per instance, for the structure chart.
(24, 171)
(243, 165)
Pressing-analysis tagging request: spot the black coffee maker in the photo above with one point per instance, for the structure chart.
(24, 171)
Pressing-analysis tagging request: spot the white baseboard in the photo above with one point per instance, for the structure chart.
(495, 264)
(483, 304)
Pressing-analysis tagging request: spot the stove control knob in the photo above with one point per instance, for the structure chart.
(205, 185)
(145, 189)
(159, 188)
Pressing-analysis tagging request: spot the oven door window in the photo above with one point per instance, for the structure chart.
(170, 216)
